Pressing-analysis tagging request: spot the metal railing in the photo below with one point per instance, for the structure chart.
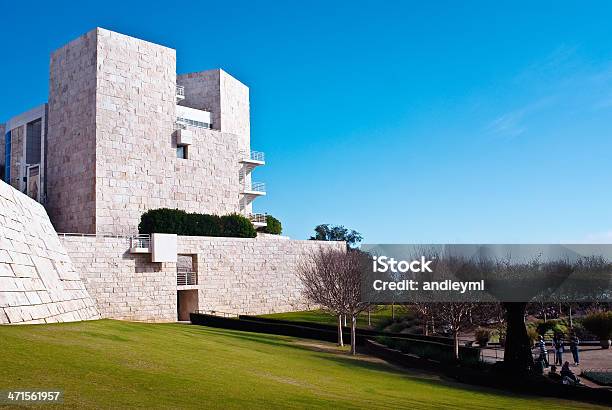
(93, 235)
(217, 313)
(140, 241)
(186, 278)
(180, 92)
(184, 122)
(135, 241)
(254, 186)
(257, 218)
(253, 156)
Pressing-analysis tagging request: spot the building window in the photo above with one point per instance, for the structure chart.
(7, 158)
(33, 141)
(181, 152)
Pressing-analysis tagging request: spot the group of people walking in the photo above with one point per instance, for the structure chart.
(566, 374)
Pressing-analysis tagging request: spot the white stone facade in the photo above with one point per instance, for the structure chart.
(38, 283)
(234, 275)
(112, 153)
(124, 286)
(112, 139)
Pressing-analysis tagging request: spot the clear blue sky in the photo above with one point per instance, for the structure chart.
(410, 122)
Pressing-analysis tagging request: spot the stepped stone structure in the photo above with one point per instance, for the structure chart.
(38, 283)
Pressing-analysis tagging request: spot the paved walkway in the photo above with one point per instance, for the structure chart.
(591, 357)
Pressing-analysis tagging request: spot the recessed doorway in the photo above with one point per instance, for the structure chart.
(186, 303)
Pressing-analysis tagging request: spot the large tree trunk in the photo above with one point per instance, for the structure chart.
(456, 342)
(353, 335)
(340, 341)
(517, 352)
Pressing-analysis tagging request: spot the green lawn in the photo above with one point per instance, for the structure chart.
(121, 364)
(320, 316)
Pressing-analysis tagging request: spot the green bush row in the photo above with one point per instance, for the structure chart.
(165, 220)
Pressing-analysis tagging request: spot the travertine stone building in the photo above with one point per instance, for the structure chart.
(124, 134)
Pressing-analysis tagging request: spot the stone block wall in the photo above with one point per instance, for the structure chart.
(250, 276)
(235, 275)
(225, 97)
(112, 147)
(203, 92)
(38, 283)
(207, 181)
(71, 138)
(135, 115)
(124, 286)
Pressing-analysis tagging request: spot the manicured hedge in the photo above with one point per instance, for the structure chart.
(179, 222)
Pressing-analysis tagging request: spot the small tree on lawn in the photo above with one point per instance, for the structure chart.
(455, 316)
(332, 279)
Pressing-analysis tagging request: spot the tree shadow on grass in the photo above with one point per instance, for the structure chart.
(426, 377)
(441, 381)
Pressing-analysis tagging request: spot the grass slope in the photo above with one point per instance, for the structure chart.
(121, 364)
(320, 316)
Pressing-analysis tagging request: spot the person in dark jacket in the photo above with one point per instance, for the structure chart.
(567, 375)
(574, 342)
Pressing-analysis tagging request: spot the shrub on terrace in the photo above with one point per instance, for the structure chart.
(273, 226)
(179, 222)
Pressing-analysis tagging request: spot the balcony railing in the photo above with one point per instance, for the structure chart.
(254, 187)
(258, 219)
(180, 92)
(186, 278)
(140, 244)
(182, 123)
(253, 156)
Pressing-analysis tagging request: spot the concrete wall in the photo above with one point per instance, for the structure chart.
(124, 286)
(38, 283)
(71, 139)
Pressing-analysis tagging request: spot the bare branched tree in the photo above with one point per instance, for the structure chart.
(426, 311)
(332, 279)
(455, 317)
